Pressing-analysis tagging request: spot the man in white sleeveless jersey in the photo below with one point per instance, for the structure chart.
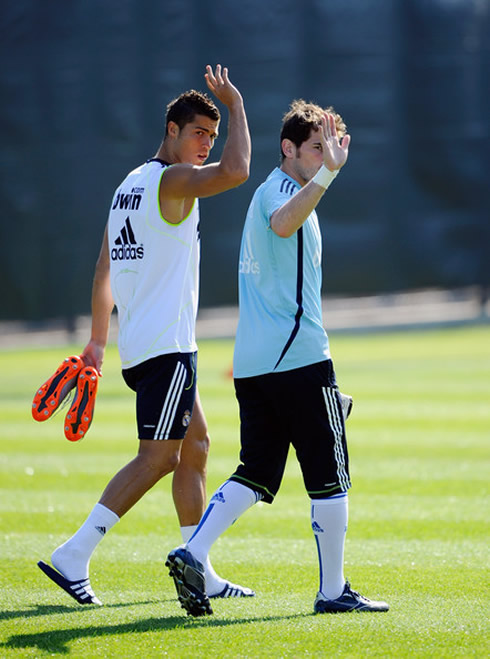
(149, 268)
(285, 383)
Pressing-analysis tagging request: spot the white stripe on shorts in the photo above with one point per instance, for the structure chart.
(336, 424)
(171, 402)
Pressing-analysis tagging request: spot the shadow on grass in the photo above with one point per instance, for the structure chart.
(55, 609)
(57, 641)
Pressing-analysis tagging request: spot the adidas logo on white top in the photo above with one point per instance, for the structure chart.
(126, 245)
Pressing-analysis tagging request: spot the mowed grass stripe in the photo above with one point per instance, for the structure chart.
(418, 529)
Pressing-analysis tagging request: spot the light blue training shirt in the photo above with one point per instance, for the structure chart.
(280, 325)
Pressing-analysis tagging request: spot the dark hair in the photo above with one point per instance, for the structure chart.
(184, 108)
(302, 118)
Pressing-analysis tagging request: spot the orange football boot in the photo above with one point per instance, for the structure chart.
(81, 412)
(52, 393)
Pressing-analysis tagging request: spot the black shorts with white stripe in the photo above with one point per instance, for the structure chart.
(301, 407)
(165, 389)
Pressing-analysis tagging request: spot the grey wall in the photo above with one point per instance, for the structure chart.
(84, 86)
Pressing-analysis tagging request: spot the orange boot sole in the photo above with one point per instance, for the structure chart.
(80, 414)
(52, 393)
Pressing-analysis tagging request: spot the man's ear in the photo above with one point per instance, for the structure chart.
(173, 129)
(288, 148)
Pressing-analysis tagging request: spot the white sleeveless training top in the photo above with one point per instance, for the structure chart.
(154, 269)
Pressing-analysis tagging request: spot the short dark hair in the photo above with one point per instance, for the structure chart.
(184, 108)
(301, 118)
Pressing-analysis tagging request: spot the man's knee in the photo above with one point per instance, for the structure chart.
(160, 457)
(170, 463)
(195, 449)
(201, 442)
(197, 434)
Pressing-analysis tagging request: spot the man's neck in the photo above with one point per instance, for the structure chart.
(287, 170)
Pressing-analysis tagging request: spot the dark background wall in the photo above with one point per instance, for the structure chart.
(84, 85)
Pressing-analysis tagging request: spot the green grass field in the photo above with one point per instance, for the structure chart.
(418, 528)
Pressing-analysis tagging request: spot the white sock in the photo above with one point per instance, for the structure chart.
(329, 523)
(227, 504)
(187, 531)
(73, 557)
(214, 583)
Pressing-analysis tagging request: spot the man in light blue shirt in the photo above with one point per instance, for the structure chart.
(284, 377)
(280, 326)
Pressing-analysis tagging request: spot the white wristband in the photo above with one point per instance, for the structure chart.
(324, 176)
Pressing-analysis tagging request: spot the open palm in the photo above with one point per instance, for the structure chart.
(335, 152)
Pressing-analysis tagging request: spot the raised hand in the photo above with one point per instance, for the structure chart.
(219, 83)
(335, 153)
